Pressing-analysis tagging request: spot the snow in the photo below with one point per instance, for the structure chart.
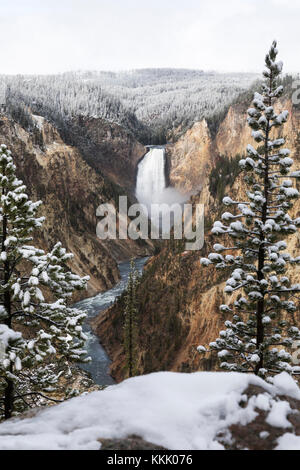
(227, 201)
(262, 402)
(285, 385)
(254, 358)
(282, 117)
(237, 227)
(218, 247)
(227, 216)
(215, 257)
(278, 415)
(266, 320)
(39, 121)
(155, 97)
(7, 335)
(26, 300)
(177, 411)
(205, 262)
(290, 192)
(251, 150)
(257, 136)
(288, 442)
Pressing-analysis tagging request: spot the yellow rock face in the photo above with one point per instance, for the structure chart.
(71, 191)
(191, 158)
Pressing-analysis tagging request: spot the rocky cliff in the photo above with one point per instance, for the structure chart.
(179, 299)
(195, 153)
(108, 148)
(191, 158)
(71, 190)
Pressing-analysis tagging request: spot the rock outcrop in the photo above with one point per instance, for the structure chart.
(201, 411)
(261, 434)
(129, 443)
(109, 148)
(191, 158)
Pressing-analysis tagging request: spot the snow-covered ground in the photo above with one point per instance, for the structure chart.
(177, 411)
(39, 121)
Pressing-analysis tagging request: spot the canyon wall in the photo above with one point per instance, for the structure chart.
(191, 158)
(109, 148)
(178, 299)
(71, 190)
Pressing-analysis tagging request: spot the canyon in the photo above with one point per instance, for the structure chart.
(178, 300)
(95, 161)
(72, 186)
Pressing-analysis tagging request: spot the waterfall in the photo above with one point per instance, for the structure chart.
(151, 187)
(151, 180)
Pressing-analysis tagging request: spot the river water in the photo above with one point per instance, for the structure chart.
(98, 368)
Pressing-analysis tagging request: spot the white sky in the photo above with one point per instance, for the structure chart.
(49, 36)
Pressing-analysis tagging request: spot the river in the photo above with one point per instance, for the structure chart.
(98, 368)
(151, 188)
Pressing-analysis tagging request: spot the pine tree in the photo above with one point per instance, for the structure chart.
(130, 323)
(262, 331)
(33, 329)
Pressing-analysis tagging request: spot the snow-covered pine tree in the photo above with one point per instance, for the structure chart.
(33, 331)
(262, 329)
(130, 323)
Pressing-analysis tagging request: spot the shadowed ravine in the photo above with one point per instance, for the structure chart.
(99, 367)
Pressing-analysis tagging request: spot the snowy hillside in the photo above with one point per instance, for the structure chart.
(149, 102)
(176, 411)
(169, 97)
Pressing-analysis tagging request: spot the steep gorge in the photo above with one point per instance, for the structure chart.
(71, 190)
(178, 300)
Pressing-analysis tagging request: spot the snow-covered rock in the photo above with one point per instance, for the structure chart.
(173, 410)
